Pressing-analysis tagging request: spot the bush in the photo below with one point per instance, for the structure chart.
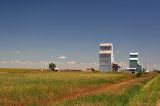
(93, 70)
(52, 66)
(139, 74)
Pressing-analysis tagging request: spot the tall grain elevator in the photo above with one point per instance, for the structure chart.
(106, 57)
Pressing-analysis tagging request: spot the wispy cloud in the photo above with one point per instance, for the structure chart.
(52, 49)
(152, 66)
(21, 62)
(62, 57)
(44, 62)
(27, 62)
(17, 52)
(3, 62)
(71, 62)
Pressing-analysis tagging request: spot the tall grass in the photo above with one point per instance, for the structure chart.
(105, 99)
(109, 98)
(149, 94)
(30, 87)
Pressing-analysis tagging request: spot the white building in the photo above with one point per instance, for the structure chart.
(106, 57)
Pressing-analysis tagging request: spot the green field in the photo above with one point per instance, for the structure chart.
(22, 87)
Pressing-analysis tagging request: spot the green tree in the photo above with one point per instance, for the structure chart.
(52, 66)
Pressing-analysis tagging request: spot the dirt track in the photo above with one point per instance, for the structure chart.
(103, 88)
(158, 103)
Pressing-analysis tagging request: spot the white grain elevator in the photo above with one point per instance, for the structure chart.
(106, 57)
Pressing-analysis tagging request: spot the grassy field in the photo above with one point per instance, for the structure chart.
(149, 95)
(23, 87)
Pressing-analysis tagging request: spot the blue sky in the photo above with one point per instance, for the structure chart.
(68, 32)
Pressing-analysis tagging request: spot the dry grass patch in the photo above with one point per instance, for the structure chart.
(158, 103)
(36, 88)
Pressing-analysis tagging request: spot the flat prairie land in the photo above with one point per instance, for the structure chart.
(27, 87)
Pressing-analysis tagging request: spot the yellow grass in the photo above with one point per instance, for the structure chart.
(32, 87)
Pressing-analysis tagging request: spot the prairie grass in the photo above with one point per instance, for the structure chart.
(27, 87)
(149, 95)
(34, 88)
(112, 97)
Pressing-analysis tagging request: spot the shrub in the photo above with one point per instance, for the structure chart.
(52, 66)
(93, 70)
(139, 74)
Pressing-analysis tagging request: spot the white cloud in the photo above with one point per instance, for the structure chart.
(3, 62)
(25, 62)
(152, 66)
(62, 57)
(17, 52)
(21, 62)
(117, 51)
(44, 62)
(71, 62)
(82, 63)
